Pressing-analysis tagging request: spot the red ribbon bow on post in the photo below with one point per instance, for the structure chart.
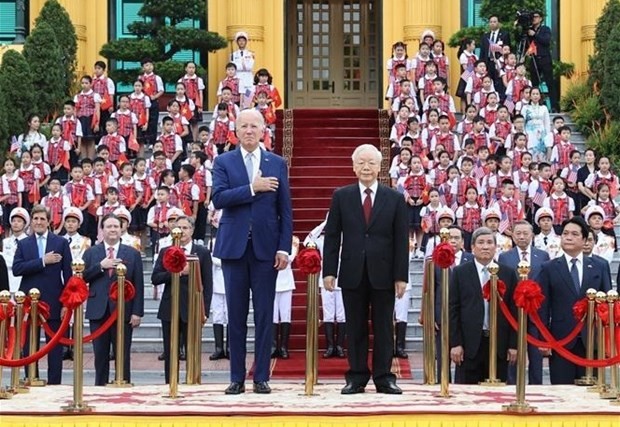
(74, 293)
(130, 291)
(309, 261)
(528, 296)
(174, 259)
(443, 255)
(486, 290)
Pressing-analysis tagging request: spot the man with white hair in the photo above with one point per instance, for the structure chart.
(370, 220)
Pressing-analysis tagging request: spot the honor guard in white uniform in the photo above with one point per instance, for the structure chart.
(401, 312)
(19, 220)
(244, 60)
(334, 320)
(285, 285)
(126, 238)
(491, 218)
(547, 240)
(72, 219)
(604, 246)
(219, 310)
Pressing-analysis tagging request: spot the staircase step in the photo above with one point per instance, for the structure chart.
(329, 149)
(360, 113)
(313, 191)
(321, 171)
(310, 202)
(307, 181)
(330, 132)
(300, 123)
(323, 161)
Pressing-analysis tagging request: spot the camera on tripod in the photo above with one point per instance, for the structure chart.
(525, 19)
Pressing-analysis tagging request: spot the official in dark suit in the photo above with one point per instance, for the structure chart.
(4, 275)
(469, 314)
(101, 261)
(541, 66)
(456, 240)
(497, 36)
(44, 262)
(564, 280)
(370, 221)
(162, 276)
(522, 234)
(254, 240)
(587, 251)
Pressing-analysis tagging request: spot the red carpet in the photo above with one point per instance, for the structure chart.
(334, 368)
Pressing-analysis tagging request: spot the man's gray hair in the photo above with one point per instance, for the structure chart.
(482, 231)
(522, 222)
(367, 147)
(252, 112)
(191, 220)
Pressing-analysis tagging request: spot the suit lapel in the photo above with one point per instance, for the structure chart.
(565, 272)
(378, 205)
(264, 162)
(355, 201)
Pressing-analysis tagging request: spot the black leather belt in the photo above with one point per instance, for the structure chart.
(486, 333)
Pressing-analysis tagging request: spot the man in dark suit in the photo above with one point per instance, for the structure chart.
(495, 36)
(469, 314)
(44, 262)
(254, 241)
(541, 66)
(101, 261)
(370, 221)
(460, 257)
(564, 280)
(522, 235)
(162, 276)
(587, 251)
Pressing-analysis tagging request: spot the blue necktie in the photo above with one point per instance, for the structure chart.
(41, 246)
(575, 274)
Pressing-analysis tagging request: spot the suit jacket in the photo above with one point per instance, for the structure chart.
(465, 257)
(100, 282)
(4, 275)
(485, 41)
(382, 245)
(542, 38)
(512, 258)
(560, 294)
(160, 275)
(267, 216)
(467, 310)
(49, 279)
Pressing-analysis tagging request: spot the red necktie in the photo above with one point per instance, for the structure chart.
(367, 205)
(110, 256)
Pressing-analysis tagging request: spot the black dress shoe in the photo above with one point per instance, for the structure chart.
(401, 354)
(389, 388)
(235, 388)
(218, 355)
(161, 356)
(351, 388)
(284, 353)
(262, 387)
(330, 352)
(340, 352)
(67, 355)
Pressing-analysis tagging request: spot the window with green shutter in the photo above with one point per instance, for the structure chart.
(7, 20)
(473, 16)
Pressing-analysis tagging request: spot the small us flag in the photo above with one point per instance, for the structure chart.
(14, 144)
(539, 197)
(504, 224)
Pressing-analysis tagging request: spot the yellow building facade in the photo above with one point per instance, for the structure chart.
(321, 52)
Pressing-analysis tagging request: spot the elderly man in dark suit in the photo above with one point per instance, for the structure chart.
(101, 261)
(522, 235)
(470, 317)
(162, 276)
(370, 221)
(564, 280)
(44, 262)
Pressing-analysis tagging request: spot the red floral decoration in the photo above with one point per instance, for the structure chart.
(528, 296)
(174, 259)
(443, 255)
(7, 312)
(309, 261)
(130, 291)
(42, 307)
(74, 293)
(580, 309)
(486, 290)
(602, 309)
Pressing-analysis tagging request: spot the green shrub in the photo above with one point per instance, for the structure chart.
(588, 115)
(605, 143)
(610, 83)
(576, 92)
(466, 33)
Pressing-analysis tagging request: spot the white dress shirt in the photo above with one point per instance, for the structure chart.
(579, 265)
(373, 189)
(481, 274)
(255, 163)
(44, 237)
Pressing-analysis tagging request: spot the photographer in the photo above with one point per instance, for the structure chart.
(541, 66)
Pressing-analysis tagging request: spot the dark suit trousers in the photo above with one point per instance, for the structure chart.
(240, 277)
(534, 367)
(356, 306)
(101, 349)
(165, 325)
(54, 357)
(561, 371)
(476, 369)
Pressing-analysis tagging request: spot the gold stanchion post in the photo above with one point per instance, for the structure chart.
(428, 317)
(5, 298)
(32, 380)
(78, 405)
(444, 233)
(493, 381)
(194, 325)
(612, 392)
(173, 374)
(311, 332)
(588, 379)
(520, 405)
(119, 361)
(16, 385)
(601, 382)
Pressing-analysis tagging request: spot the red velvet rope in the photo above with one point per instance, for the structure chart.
(8, 312)
(10, 343)
(309, 261)
(87, 338)
(486, 289)
(43, 350)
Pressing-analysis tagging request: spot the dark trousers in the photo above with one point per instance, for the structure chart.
(476, 369)
(201, 222)
(240, 277)
(182, 344)
(151, 130)
(101, 349)
(534, 367)
(356, 307)
(438, 353)
(54, 357)
(545, 73)
(561, 371)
